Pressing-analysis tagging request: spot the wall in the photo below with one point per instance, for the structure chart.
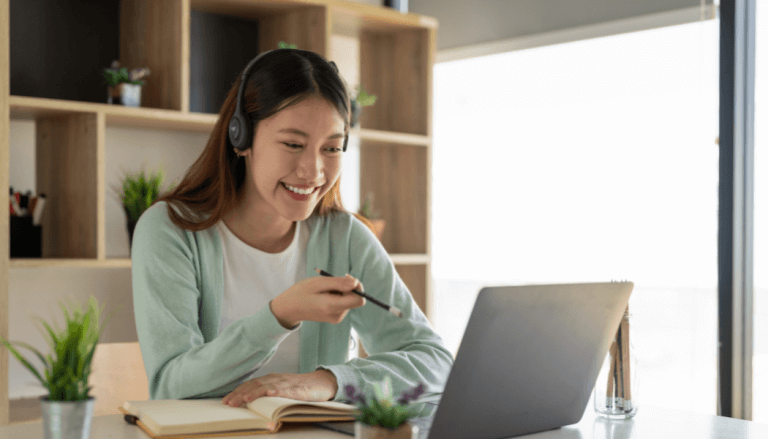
(467, 23)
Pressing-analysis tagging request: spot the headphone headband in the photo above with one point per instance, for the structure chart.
(240, 131)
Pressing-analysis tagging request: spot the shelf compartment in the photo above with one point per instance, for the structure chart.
(301, 23)
(155, 34)
(397, 176)
(416, 278)
(58, 47)
(396, 66)
(220, 47)
(69, 152)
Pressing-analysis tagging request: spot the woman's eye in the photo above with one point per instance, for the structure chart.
(298, 145)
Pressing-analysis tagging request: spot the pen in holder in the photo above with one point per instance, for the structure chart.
(616, 387)
(26, 238)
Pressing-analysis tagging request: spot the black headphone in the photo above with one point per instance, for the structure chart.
(240, 131)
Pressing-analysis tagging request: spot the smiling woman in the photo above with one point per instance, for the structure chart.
(294, 162)
(277, 80)
(226, 298)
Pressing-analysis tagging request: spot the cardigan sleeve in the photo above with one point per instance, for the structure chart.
(179, 362)
(406, 351)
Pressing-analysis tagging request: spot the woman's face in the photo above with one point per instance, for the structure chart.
(299, 146)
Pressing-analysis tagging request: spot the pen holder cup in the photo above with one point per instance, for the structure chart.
(616, 388)
(26, 238)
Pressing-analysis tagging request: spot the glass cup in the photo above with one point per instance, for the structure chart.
(616, 388)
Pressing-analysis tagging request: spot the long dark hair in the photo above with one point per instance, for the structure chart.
(282, 77)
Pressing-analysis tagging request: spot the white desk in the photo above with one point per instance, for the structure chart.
(650, 423)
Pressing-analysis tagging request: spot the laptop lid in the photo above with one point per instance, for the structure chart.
(529, 359)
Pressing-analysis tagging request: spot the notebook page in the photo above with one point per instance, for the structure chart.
(274, 407)
(164, 417)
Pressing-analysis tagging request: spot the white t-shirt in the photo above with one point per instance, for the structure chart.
(252, 278)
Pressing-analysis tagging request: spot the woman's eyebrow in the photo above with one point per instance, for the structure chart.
(303, 134)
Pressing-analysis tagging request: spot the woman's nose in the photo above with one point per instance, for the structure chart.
(310, 165)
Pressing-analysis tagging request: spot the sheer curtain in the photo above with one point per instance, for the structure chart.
(588, 161)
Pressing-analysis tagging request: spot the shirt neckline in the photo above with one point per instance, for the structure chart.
(247, 247)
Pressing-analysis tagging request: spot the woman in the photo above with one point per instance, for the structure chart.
(226, 297)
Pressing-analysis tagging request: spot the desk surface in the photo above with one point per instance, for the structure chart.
(649, 423)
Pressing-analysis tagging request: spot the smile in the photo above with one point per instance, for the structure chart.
(298, 190)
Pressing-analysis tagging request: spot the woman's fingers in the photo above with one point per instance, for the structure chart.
(314, 386)
(321, 299)
(349, 300)
(246, 393)
(358, 285)
(343, 284)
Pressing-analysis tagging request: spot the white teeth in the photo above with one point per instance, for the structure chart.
(299, 191)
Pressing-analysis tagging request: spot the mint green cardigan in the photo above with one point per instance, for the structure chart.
(177, 297)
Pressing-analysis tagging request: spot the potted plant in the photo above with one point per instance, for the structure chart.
(137, 193)
(372, 217)
(381, 417)
(67, 408)
(360, 100)
(124, 87)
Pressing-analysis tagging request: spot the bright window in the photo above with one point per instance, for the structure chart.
(588, 161)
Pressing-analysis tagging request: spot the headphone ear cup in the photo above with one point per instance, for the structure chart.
(239, 131)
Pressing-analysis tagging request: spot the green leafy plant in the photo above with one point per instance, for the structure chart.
(360, 99)
(363, 98)
(66, 369)
(115, 75)
(366, 209)
(284, 45)
(139, 191)
(381, 410)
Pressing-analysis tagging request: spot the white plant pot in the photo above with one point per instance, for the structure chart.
(67, 419)
(125, 94)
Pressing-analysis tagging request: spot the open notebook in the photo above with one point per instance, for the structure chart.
(171, 418)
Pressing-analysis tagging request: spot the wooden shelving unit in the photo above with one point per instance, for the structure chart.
(396, 57)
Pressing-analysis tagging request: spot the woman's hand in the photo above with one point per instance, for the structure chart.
(319, 385)
(318, 299)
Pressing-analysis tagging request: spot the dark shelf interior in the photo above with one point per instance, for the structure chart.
(220, 47)
(60, 48)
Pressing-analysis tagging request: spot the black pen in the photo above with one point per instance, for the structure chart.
(392, 310)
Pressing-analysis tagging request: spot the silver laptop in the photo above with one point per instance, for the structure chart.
(529, 359)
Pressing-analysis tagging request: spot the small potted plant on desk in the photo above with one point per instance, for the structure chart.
(371, 217)
(138, 192)
(124, 88)
(382, 418)
(67, 409)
